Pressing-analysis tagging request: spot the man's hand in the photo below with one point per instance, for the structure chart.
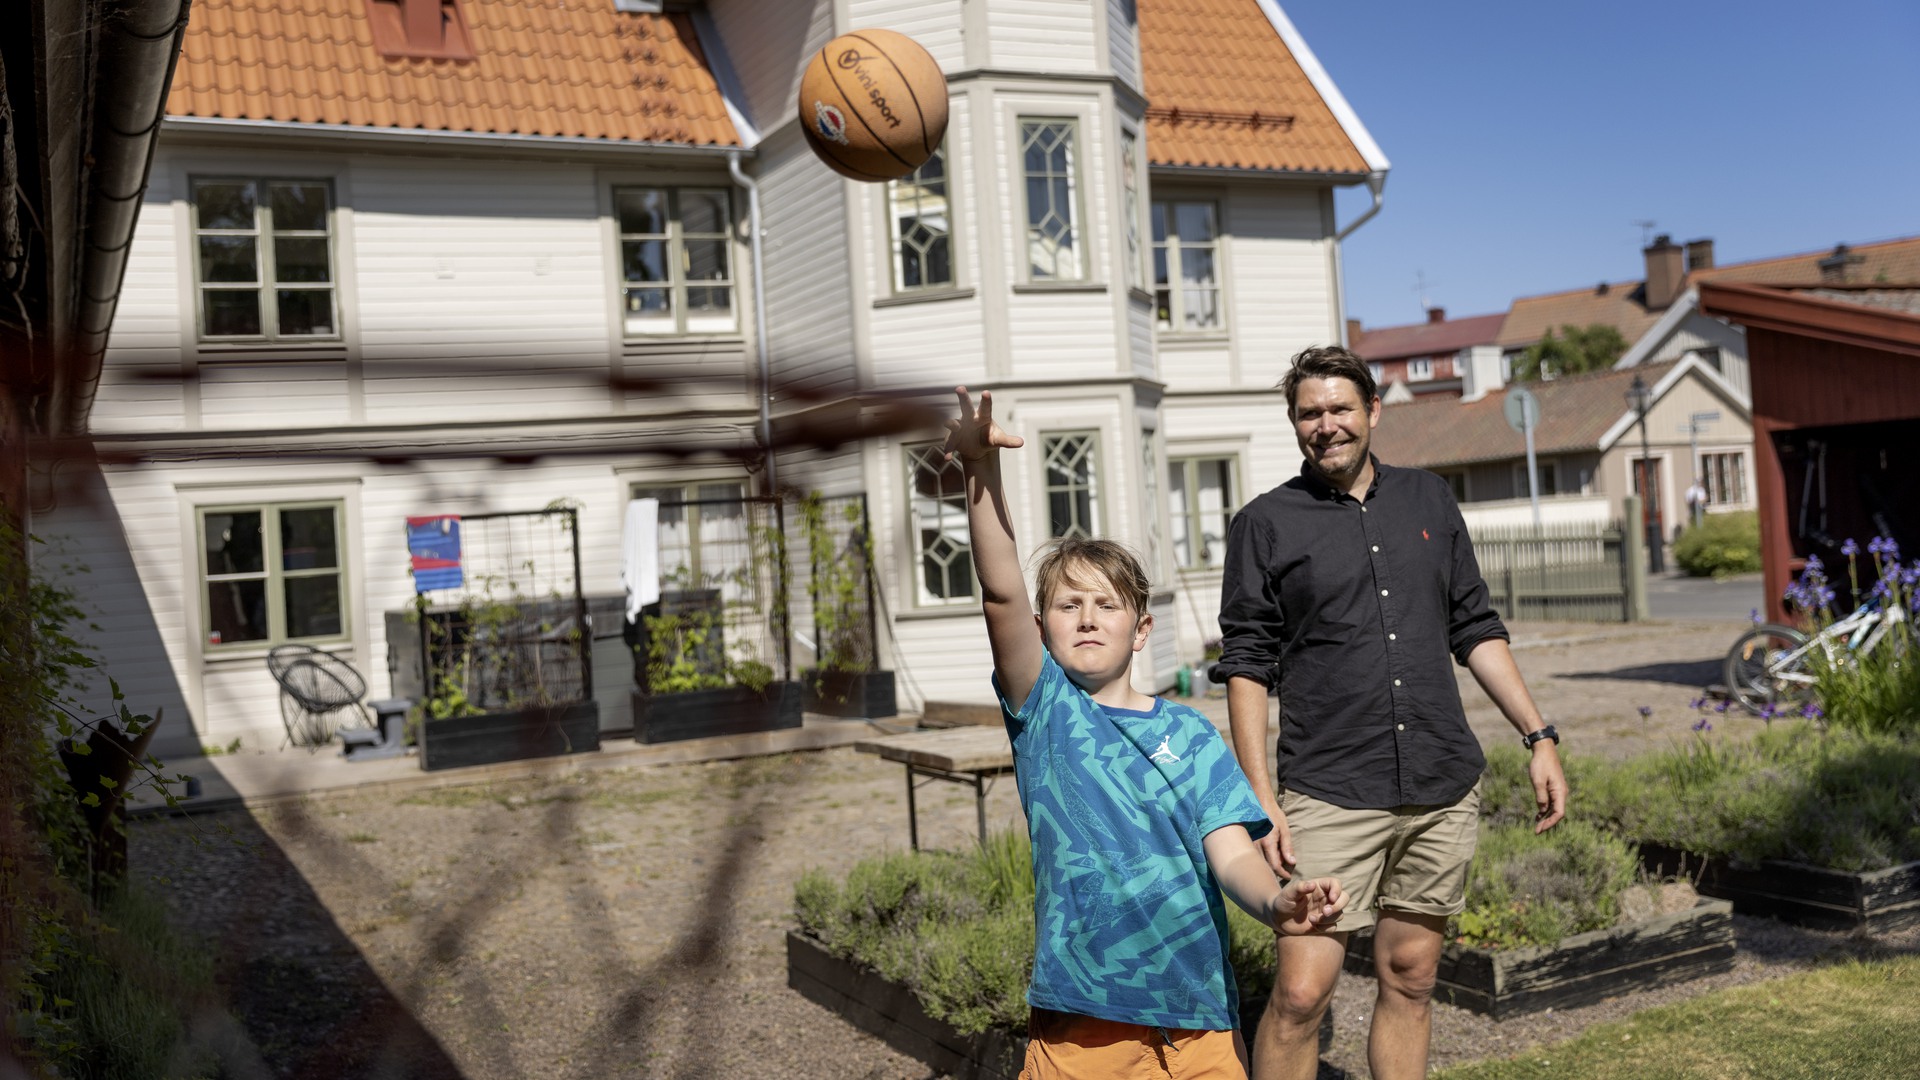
(1549, 785)
(974, 435)
(1277, 846)
(1307, 907)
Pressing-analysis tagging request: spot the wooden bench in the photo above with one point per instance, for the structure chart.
(969, 755)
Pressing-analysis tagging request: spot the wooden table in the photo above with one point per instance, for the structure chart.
(964, 755)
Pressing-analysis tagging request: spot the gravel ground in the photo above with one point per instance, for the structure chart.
(628, 922)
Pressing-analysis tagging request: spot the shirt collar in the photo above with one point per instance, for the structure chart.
(1322, 489)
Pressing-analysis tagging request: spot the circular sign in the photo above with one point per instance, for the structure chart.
(1522, 409)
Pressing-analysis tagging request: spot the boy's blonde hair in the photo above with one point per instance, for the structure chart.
(1112, 561)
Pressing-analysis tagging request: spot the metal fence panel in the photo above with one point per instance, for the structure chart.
(1574, 572)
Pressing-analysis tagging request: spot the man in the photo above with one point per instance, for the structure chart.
(1696, 502)
(1352, 584)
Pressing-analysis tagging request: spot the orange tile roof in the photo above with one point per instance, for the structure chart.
(1211, 67)
(1574, 413)
(542, 67)
(1622, 305)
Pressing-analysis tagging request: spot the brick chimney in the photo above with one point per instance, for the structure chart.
(1665, 272)
(1699, 255)
(419, 29)
(1354, 333)
(1436, 314)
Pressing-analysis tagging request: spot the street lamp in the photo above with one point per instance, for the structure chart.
(1639, 397)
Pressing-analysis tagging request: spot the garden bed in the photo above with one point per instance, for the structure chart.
(487, 738)
(1581, 969)
(1874, 901)
(865, 694)
(730, 710)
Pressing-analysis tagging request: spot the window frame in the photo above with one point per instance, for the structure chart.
(1195, 521)
(1096, 507)
(1735, 467)
(1549, 477)
(1076, 203)
(273, 573)
(912, 456)
(1134, 202)
(690, 497)
(265, 285)
(1420, 369)
(896, 266)
(1164, 213)
(675, 238)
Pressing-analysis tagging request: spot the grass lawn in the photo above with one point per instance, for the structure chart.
(1853, 1019)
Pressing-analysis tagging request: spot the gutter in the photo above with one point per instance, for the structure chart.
(759, 313)
(1376, 183)
(138, 46)
(443, 140)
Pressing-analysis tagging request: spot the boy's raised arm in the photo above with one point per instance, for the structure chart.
(977, 441)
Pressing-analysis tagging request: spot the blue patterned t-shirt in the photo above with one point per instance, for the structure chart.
(1129, 924)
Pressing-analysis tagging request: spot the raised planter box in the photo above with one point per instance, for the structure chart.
(879, 1006)
(697, 714)
(537, 732)
(866, 694)
(1874, 901)
(1583, 968)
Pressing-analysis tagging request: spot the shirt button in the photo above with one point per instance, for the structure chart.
(1383, 592)
(1396, 682)
(1393, 637)
(1376, 547)
(1399, 727)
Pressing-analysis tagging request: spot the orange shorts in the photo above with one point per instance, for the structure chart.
(1063, 1046)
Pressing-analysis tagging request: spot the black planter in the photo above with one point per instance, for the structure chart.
(866, 694)
(536, 732)
(1874, 901)
(698, 714)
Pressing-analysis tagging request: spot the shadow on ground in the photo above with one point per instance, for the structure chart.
(1695, 673)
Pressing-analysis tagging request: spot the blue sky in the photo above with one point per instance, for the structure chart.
(1528, 136)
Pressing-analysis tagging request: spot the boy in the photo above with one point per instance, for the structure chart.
(1139, 817)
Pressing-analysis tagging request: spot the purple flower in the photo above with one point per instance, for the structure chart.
(1697, 703)
(1722, 707)
(1768, 712)
(1885, 546)
(1825, 597)
(1646, 711)
(1849, 547)
(1811, 711)
(1814, 565)
(1753, 615)
(1704, 724)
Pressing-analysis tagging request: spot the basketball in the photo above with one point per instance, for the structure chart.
(873, 104)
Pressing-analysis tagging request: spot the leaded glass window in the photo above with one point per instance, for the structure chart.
(920, 215)
(1053, 223)
(1073, 483)
(937, 510)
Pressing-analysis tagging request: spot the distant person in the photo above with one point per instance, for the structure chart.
(1696, 502)
(1138, 816)
(1352, 584)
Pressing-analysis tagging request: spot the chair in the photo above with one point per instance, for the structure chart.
(315, 685)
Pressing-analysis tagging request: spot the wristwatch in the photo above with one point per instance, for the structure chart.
(1532, 737)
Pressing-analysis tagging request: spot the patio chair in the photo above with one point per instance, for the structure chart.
(315, 687)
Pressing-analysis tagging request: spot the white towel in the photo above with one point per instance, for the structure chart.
(640, 556)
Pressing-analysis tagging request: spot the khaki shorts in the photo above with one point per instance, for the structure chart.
(1064, 1046)
(1413, 858)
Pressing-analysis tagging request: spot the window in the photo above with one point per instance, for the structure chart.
(1150, 473)
(1201, 501)
(272, 574)
(1130, 207)
(1725, 478)
(1053, 222)
(1710, 356)
(1378, 371)
(1549, 479)
(1420, 370)
(1073, 483)
(703, 534)
(937, 502)
(263, 253)
(1184, 238)
(1456, 483)
(676, 260)
(922, 222)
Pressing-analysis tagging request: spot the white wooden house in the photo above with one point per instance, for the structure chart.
(378, 275)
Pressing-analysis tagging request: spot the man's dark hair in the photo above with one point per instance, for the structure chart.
(1329, 362)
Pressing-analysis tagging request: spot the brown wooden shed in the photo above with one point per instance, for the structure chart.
(1836, 419)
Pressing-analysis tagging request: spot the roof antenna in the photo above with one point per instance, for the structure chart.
(1646, 231)
(1420, 287)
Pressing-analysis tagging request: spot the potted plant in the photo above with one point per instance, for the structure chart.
(845, 679)
(689, 686)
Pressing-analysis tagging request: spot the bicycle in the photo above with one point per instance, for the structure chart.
(1768, 664)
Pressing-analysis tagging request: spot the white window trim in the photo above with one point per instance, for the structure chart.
(915, 585)
(1234, 497)
(1086, 250)
(1102, 487)
(677, 285)
(1176, 294)
(1420, 369)
(263, 240)
(890, 241)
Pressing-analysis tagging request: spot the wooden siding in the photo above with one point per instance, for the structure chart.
(1123, 42)
(803, 207)
(137, 389)
(1281, 298)
(935, 24)
(768, 46)
(1043, 35)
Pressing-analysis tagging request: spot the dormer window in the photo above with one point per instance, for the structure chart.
(420, 29)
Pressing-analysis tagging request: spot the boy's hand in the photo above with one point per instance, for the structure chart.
(1307, 907)
(975, 435)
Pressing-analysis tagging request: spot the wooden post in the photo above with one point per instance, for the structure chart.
(1633, 561)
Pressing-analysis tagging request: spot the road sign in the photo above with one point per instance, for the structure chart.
(1522, 409)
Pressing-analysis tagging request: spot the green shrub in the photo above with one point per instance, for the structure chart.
(1834, 798)
(1721, 545)
(1525, 889)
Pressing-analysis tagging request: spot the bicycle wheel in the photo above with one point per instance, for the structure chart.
(1756, 663)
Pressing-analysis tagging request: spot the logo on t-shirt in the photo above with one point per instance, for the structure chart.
(1164, 755)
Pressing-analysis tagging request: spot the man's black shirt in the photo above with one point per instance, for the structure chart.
(1355, 607)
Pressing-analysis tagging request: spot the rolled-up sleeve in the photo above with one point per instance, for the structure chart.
(1471, 618)
(1250, 617)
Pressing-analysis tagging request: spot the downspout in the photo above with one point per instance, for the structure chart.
(759, 313)
(138, 48)
(1377, 183)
